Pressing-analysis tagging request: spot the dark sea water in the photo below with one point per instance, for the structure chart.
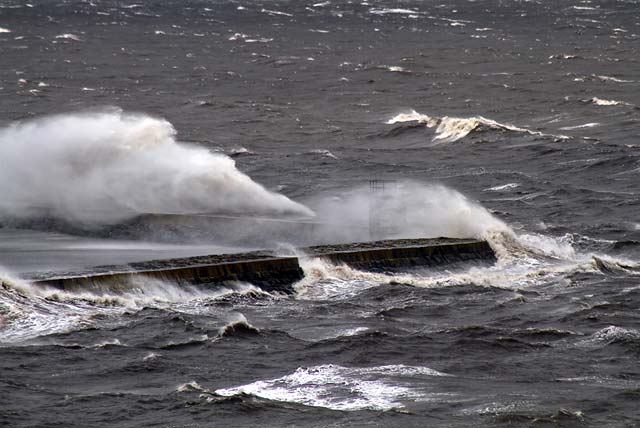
(512, 121)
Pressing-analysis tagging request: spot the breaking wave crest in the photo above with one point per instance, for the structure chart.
(28, 311)
(341, 388)
(238, 326)
(524, 259)
(451, 129)
(104, 167)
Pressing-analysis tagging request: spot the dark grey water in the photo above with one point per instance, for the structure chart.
(529, 109)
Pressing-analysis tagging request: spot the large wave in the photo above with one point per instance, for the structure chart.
(451, 129)
(104, 167)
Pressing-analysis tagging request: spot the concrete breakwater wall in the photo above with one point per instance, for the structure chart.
(279, 273)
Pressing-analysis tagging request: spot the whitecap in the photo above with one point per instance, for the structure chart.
(612, 334)
(344, 388)
(324, 152)
(150, 356)
(613, 79)
(276, 12)
(68, 37)
(502, 187)
(237, 322)
(603, 102)
(412, 116)
(451, 129)
(586, 125)
(36, 310)
(4, 30)
(396, 11)
(236, 151)
(395, 69)
(237, 36)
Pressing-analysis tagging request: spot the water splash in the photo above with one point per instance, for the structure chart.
(103, 167)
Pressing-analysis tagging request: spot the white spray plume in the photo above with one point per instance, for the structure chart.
(409, 210)
(104, 167)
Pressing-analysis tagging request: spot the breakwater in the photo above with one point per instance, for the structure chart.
(273, 272)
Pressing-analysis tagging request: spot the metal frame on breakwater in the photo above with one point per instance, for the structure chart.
(273, 272)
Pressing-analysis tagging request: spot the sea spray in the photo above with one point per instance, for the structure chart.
(28, 311)
(104, 167)
(406, 209)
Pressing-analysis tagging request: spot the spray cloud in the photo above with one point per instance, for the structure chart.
(104, 167)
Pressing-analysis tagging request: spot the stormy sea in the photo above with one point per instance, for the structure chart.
(511, 121)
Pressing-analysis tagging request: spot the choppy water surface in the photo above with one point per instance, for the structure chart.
(528, 109)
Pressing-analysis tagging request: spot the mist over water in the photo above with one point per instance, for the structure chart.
(406, 209)
(104, 167)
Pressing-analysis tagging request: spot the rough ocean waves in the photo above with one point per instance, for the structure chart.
(512, 121)
(523, 311)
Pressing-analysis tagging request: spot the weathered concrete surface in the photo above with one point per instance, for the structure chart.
(278, 273)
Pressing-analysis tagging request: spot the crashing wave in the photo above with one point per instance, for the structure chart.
(106, 167)
(341, 388)
(451, 129)
(239, 326)
(28, 311)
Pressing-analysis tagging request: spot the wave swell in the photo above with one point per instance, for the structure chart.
(451, 129)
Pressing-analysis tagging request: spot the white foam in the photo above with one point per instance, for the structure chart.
(412, 116)
(325, 280)
(238, 36)
(4, 30)
(68, 37)
(342, 388)
(603, 102)
(237, 320)
(100, 168)
(393, 11)
(613, 79)
(240, 151)
(37, 310)
(611, 334)
(276, 12)
(150, 356)
(396, 69)
(324, 152)
(405, 210)
(502, 187)
(586, 125)
(451, 129)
